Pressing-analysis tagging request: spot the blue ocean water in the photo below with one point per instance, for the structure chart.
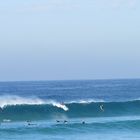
(65, 110)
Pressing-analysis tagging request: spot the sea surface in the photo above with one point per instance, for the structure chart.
(66, 110)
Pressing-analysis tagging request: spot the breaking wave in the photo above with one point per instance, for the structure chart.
(16, 100)
(20, 108)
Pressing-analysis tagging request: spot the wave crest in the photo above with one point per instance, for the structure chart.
(16, 100)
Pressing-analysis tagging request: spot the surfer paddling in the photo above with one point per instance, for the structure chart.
(57, 121)
(83, 122)
(65, 121)
(30, 123)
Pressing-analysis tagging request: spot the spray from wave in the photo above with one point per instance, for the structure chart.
(16, 100)
(87, 101)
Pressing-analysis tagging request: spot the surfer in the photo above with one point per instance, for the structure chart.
(101, 107)
(83, 122)
(65, 121)
(57, 121)
(30, 123)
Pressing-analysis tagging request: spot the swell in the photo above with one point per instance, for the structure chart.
(74, 110)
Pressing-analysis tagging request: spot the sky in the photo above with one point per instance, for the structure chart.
(69, 39)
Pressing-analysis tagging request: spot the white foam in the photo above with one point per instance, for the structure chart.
(64, 107)
(87, 101)
(17, 100)
(6, 120)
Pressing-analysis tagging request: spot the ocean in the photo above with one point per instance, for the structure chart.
(66, 110)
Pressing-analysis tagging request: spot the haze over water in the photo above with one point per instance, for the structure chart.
(69, 39)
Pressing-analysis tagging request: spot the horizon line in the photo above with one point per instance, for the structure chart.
(49, 80)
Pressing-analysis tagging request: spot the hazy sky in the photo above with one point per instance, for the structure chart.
(69, 39)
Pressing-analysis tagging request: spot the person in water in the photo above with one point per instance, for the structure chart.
(65, 121)
(30, 123)
(83, 122)
(102, 107)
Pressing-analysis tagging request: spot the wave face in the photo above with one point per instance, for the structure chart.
(19, 108)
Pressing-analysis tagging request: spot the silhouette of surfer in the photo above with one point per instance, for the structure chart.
(57, 121)
(65, 121)
(102, 107)
(30, 123)
(83, 122)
